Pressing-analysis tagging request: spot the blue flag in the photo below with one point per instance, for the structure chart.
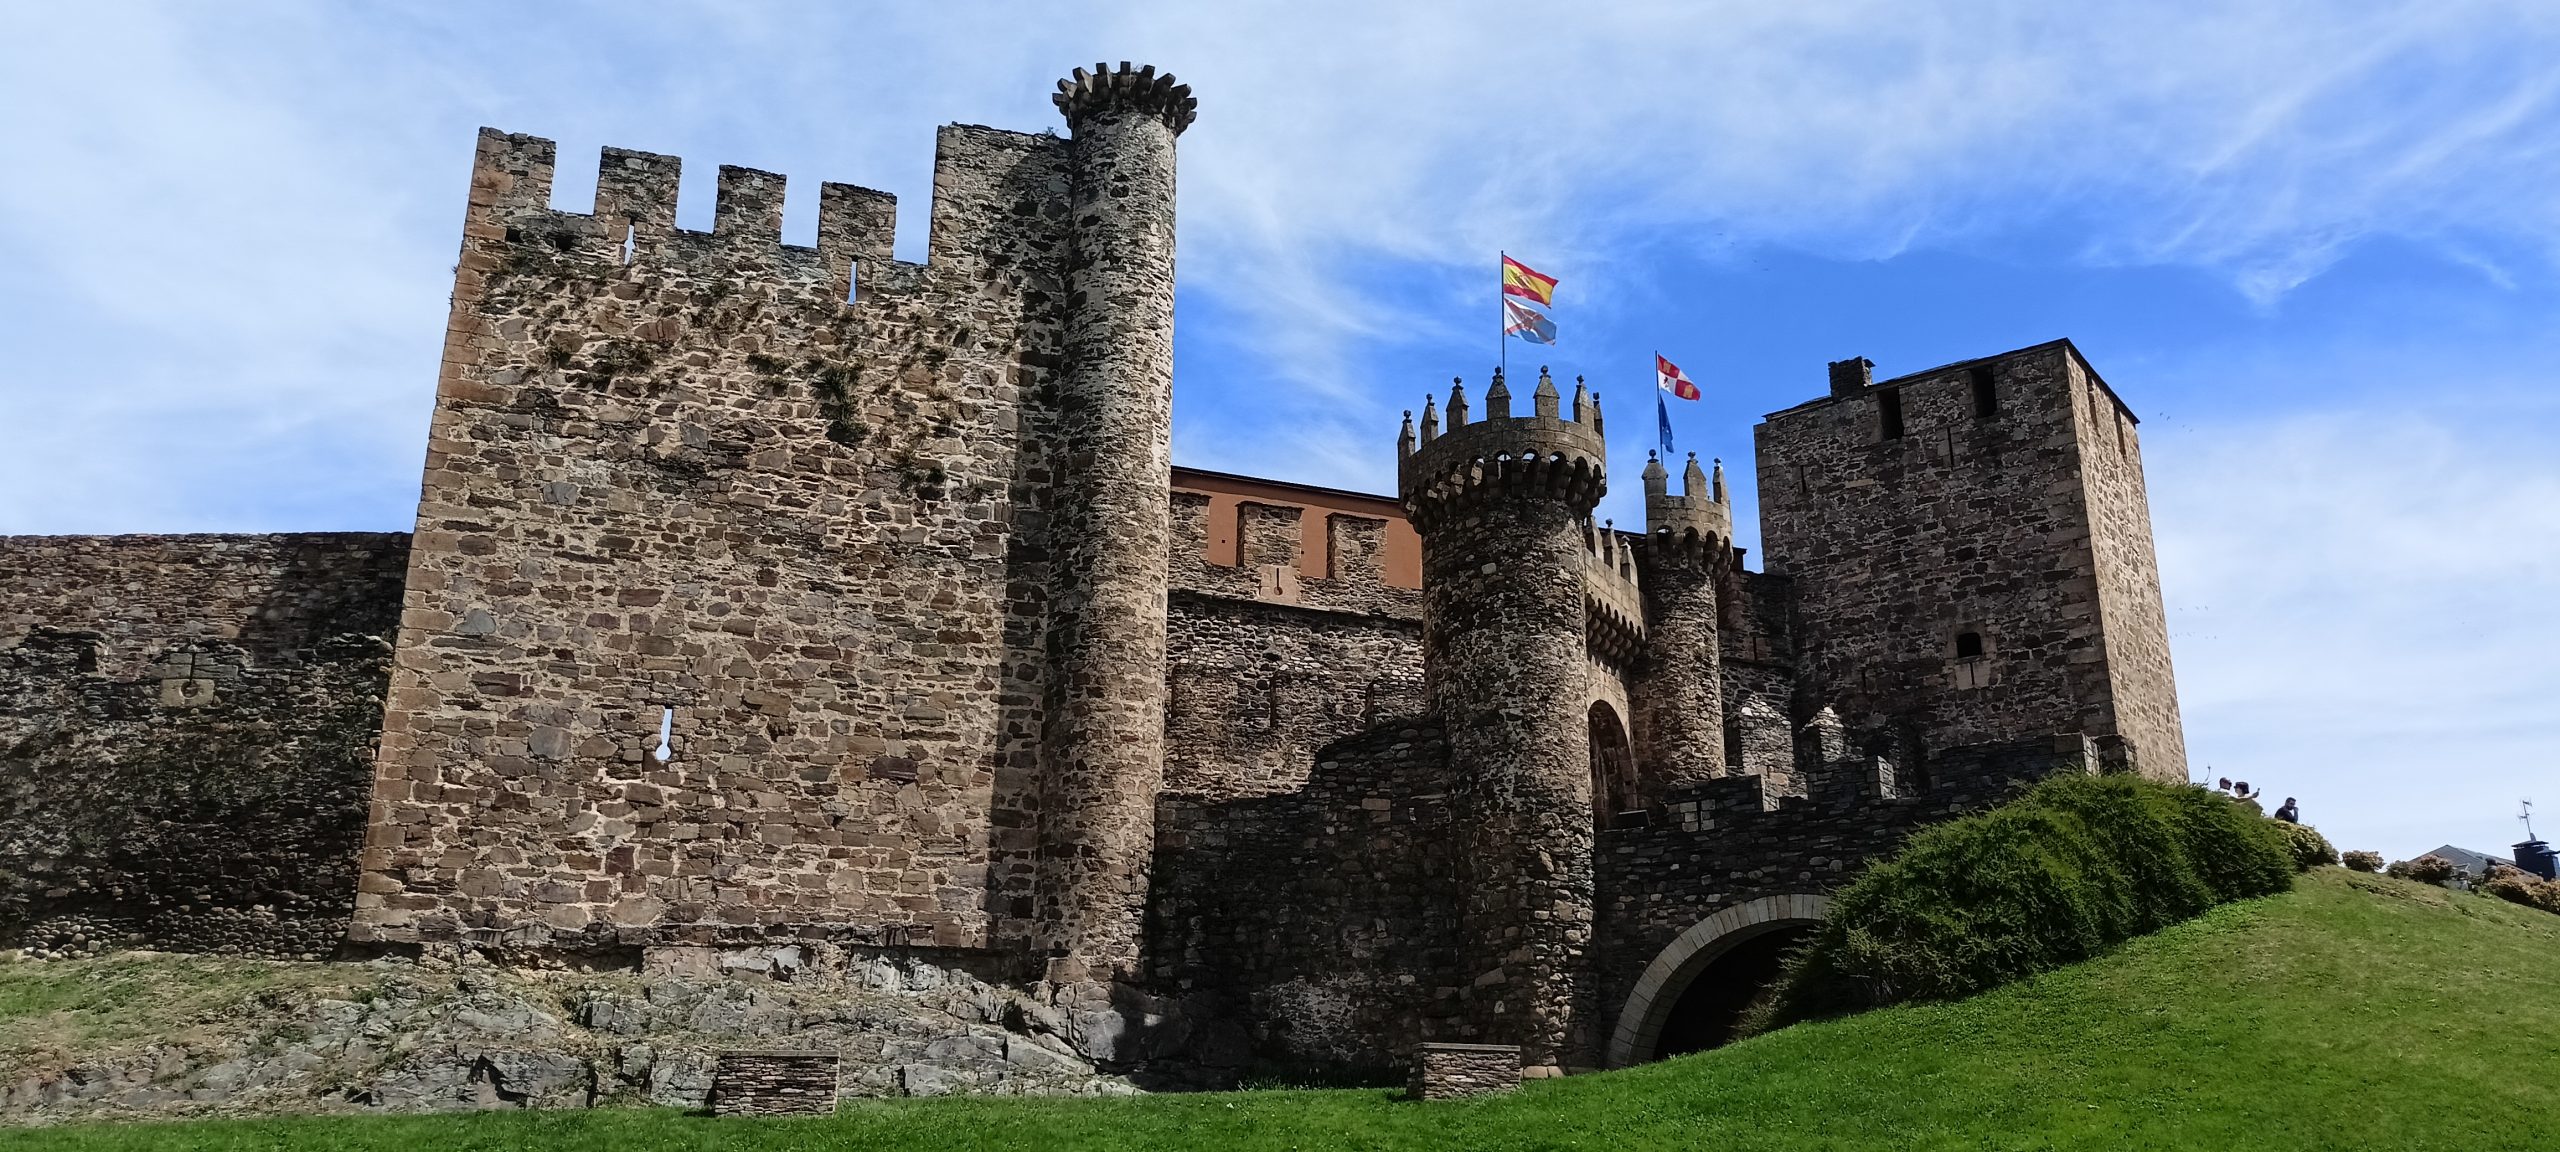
(1662, 412)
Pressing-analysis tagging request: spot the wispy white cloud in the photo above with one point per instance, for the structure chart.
(2363, 605)
(225, 235)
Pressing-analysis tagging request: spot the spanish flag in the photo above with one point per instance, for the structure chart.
(1519, 279)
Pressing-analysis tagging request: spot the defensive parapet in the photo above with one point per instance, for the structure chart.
(1679, 697)
(1613, 593)
(1503, 506)
(1547, 452)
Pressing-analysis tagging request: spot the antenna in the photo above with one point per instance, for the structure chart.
(666, 749)
(2526, 815)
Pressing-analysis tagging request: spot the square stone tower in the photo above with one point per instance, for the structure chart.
(1971, 553)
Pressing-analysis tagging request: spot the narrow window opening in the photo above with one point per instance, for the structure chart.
(1613, 768)
(630, 241)
(2121, 448)
(563, 241)
(1889, 406)
(514, 235)
(852, 282)
(1969, 646)
(1986, 396)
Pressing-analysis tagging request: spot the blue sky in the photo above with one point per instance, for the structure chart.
(2314, 243)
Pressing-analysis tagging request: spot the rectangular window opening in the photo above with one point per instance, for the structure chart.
(1986, 396)
(1889, 407)
(1969, 646)
(852, 282)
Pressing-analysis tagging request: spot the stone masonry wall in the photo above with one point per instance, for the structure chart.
(1324, 920)
(1733, 840)
(2142, 686)
(1269, 665)
(1899, 545)
(187, 727)
(671, 469)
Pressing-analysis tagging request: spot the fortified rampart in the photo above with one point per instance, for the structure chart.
(187, 727)
(959, 675)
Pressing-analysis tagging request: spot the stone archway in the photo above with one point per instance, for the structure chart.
(1680, 963)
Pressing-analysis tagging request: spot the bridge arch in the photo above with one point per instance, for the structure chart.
(1690, 955)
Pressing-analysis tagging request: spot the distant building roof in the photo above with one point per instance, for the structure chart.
(2475, 863)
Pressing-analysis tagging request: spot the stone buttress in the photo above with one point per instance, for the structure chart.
(1502, 506)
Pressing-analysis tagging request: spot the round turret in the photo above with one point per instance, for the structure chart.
(1105, 733)
(1679, 699)
(1503, 506)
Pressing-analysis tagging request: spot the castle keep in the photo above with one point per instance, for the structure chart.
(956, 667)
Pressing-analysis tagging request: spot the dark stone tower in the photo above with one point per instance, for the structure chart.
(1502, 506)
(1107, 621)
(1679, 696)
(1971, 552)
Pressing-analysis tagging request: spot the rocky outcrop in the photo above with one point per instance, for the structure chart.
(457, 1033)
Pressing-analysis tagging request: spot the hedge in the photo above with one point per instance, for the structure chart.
(2071, 867)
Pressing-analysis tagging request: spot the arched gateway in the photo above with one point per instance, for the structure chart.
(1667, 981)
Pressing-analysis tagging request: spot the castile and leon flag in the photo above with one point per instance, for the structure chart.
(1668, 377)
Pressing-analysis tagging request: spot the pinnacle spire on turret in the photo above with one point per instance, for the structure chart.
(1497, 399)
(1404, 439)
(1720, 496)
(1693, 482)
(1545, 402)
(1458, 399)
(1657, 482)
(1598, 426)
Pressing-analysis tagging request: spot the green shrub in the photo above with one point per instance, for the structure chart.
(2075, 865)
(2363, 861)
(2517, 886)
(2424, 869)
(2310, 848)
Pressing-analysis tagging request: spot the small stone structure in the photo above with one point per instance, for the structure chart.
(1447, 1071)
(1215, 772)
(774, 1084)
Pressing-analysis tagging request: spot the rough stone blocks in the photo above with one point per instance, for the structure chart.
(1447, 1071)
(774, 1084)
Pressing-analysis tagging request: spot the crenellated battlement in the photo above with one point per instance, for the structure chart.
(1695, 526)
(1552, 453)
(633, 221)
(1614, 599)
(1102, 92)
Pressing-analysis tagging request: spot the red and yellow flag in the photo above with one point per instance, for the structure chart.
(1519, 279)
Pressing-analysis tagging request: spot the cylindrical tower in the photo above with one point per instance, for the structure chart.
(1501, 505)
(1679, 703)
(1105, 726)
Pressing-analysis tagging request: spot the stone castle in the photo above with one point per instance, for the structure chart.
(954, 665)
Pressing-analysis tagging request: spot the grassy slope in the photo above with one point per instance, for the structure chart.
(2355, 1012)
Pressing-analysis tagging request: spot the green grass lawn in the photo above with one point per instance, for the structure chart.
(2355, 1012)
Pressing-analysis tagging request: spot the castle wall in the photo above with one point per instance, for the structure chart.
(1897, 546)
(1757, 638)
(1734, 840)
(2136, 625)
(671, 469)
(186, 736)
(1325, 920)
(1268, 663)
